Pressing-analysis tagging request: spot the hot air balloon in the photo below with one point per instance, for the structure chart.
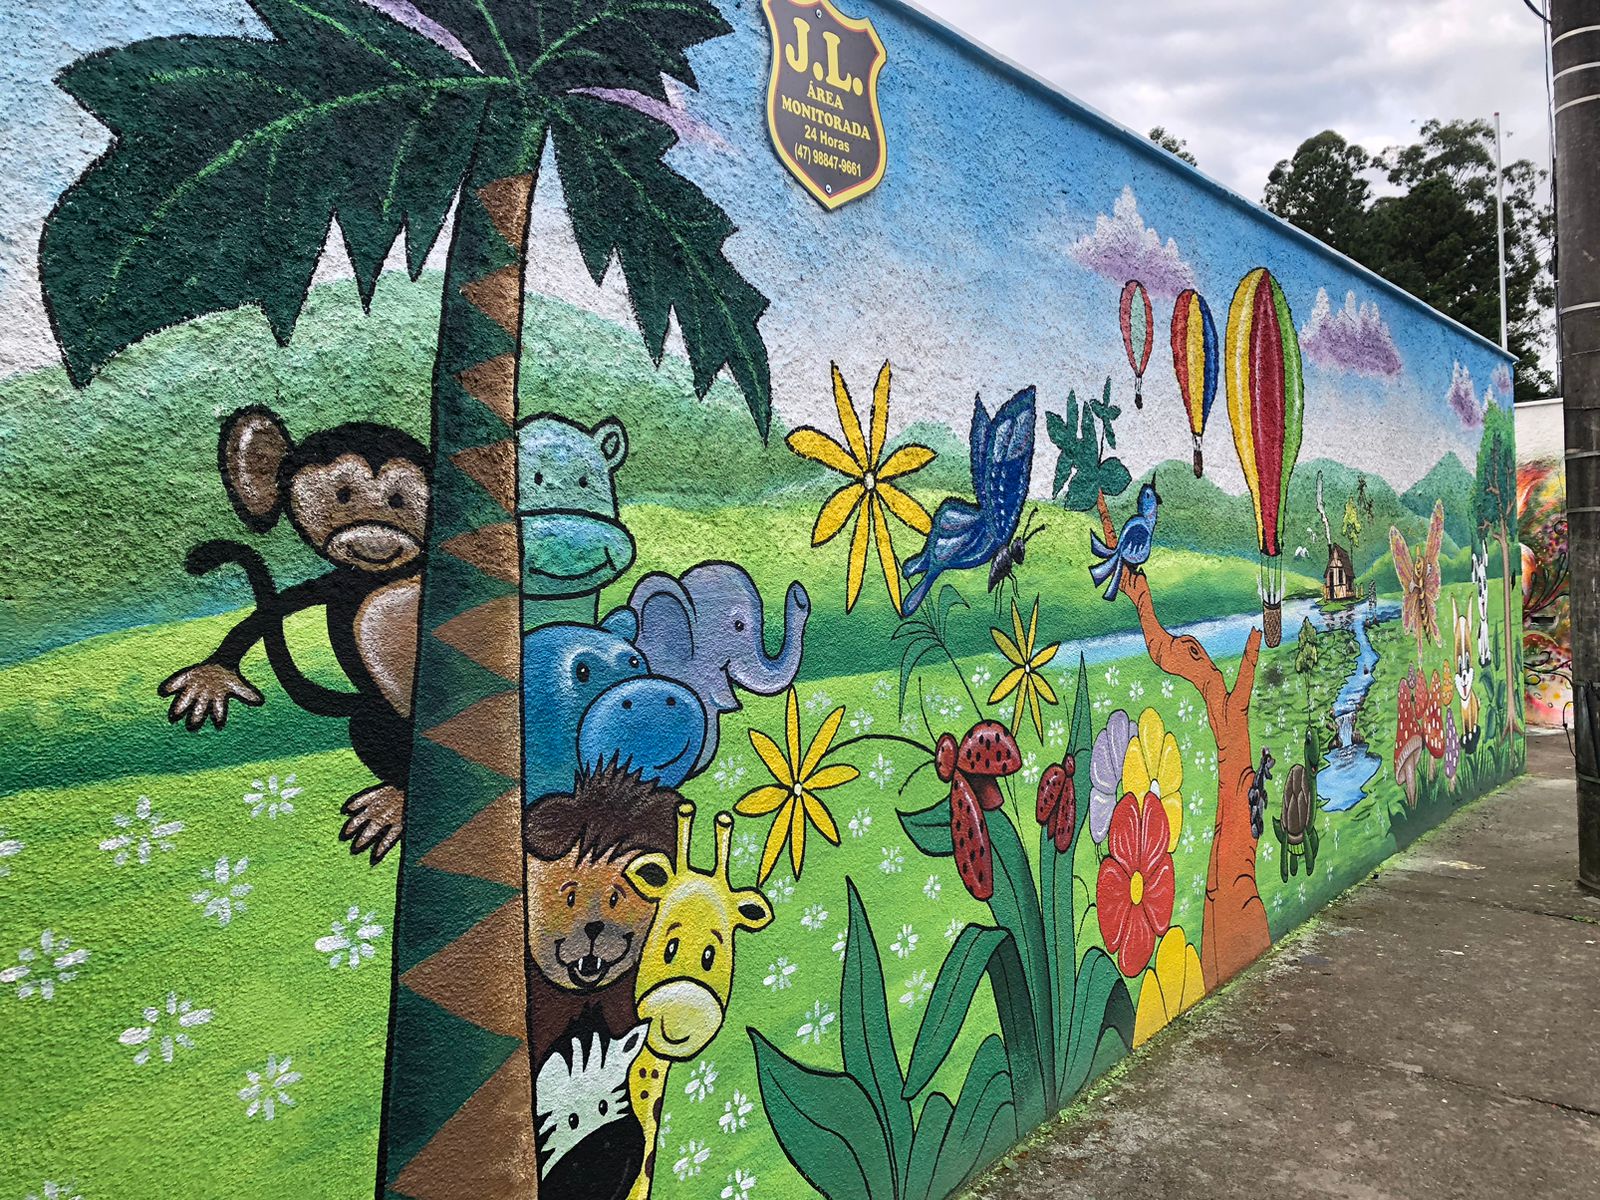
(1138, 333)
(1194, 362)
(1266, 396)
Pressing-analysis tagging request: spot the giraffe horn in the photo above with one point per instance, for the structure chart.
(724, 844)
(685, 828)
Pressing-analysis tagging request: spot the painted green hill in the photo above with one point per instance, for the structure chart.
(1452, 482)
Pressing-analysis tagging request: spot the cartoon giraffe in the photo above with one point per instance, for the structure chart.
(685, 967)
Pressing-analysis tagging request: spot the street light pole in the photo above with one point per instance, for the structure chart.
(1500, 220)
(1575, 55)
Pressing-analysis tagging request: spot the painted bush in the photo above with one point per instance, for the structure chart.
(609, 677)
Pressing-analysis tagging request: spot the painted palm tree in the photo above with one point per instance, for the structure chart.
(229, 159)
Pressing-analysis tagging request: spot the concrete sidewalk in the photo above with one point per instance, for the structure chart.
(1434, 1033)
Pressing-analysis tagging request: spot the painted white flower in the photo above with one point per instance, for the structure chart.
(1266, 851)
(891, 861)
(780, 891)
(981, 677)
(1112, 675)
(51, 1190)
(165, 1029)
(905, 942)
(143, 832)
(691, 1158)
(916, 989)
(1166, 688)
(815, 917)
(881, 771)
(860, 721)
(949, 707)
(272, 796)
(1185, 709)
(351, 941)
(1100, 704)
(1135, 690)
(819, 1020)
(43, 966)
(882, 688)
(728, 773)
(1056, 733)
(779, 975)
(841, 943)
(818, 701)
(932, 888)
(860, 822)
(953, 930)
(740, 1184)
(745, 848)
(267, 1088)
(9, 848)
(702, 1081)
(735, 1113)
(226, 898)
(664, 1130)
(1030, 768)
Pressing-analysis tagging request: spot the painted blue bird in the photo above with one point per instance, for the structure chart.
(1133, 547)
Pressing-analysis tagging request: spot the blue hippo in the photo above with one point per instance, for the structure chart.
(591, 700)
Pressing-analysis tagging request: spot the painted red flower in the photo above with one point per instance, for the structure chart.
(1137, 883)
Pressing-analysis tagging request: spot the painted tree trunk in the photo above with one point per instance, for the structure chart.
(1513, 674)
(458, 1117)
(1234, 929)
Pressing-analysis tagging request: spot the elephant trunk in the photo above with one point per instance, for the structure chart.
(767, 675)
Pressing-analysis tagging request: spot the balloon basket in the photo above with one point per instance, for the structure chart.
(1199, 463)
(1272, 623)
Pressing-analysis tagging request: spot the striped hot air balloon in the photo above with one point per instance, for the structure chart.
(1266, 398)
(1195, 363)
(1138, 333)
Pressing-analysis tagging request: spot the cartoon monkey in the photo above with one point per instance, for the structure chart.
(358, 495)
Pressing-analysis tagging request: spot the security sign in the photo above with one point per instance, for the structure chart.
(822, 101)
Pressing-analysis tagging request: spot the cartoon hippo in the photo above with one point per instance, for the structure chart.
(591, 700)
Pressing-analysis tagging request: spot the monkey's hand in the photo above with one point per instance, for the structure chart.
(376, 816)
(204, 690)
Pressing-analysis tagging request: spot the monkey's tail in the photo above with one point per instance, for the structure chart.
(303, 690)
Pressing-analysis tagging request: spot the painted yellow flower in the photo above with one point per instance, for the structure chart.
(1152, 766)
(1024, 677)
(794, 797)
(1173, 984)
(863, 462)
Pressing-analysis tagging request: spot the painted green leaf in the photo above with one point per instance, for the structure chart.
(933, 1127)
(626, 203)
(608, 43)
(929, 829)
(865, 1038)
(229, 159)
(825, 1125)
(1015, 905)
(983, 1107)
(1103, 1009)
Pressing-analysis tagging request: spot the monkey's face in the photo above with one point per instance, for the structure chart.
(358, 518)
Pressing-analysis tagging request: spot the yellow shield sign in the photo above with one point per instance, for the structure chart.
(822, 100)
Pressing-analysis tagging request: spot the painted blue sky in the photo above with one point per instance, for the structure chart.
(959, 269)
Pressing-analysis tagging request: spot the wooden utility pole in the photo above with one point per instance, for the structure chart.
(1575, 56)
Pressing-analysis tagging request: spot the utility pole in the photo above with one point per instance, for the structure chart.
(1500, 221)
(1575, 55)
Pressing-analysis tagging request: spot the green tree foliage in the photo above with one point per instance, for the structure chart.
(1083, 437)
(1307, 657)
(1433, 233)
(1172, 144)
(1324, 190)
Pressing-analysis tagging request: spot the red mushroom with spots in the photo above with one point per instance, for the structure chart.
(972, 768)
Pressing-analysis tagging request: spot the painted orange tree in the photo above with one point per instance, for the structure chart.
(229, 159)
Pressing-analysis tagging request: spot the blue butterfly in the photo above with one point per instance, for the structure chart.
(969, 535)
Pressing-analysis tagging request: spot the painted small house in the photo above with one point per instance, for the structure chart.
(1339, 580)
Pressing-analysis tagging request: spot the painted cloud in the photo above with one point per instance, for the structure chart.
(1352, 339)
(1123, 248)
(1463, 398)
(1502, 379)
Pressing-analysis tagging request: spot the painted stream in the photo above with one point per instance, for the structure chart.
(1348, 767)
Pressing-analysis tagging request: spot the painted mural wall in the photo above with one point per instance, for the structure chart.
(678, 599)
(1546, 588)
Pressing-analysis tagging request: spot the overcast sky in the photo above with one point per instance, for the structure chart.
(1245, 81)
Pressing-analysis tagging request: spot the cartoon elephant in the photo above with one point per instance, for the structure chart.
(573, 543)
(706, 630)
(592, 701)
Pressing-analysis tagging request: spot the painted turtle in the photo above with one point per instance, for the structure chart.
(1295, 829)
